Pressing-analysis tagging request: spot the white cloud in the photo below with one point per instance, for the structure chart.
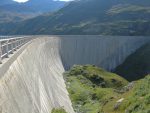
(28, 0)
(65, 0)
(21, 0)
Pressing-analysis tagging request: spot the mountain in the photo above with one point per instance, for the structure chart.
(7, 16)
(94, 17)
(4, 2)
(137, 65)
(44, 5)
(14, 12)
(11, 11)
(36, 6)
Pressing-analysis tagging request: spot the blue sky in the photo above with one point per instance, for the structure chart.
(27, 0)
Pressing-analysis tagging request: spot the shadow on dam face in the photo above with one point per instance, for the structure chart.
(104, 51)
(34, 83)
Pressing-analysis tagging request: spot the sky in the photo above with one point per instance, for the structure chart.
(27, 0)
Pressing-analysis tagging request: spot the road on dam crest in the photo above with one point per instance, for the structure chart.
(33, 81)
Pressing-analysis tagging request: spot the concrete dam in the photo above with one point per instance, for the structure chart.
(31, 79)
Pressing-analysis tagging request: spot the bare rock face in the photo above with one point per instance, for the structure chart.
(34, 83)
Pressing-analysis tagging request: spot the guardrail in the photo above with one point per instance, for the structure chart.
(6, 37)
(8, 46)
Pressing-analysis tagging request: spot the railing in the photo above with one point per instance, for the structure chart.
(8, 46)
(6, 37)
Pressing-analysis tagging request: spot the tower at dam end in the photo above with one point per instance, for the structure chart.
(33, 81)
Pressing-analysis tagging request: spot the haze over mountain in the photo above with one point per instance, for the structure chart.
(3, 2)
(44, 5)
(111, 17)
(11, 11)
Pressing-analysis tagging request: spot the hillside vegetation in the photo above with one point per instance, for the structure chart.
(94, 17)
(8, 16)
(61, 110)
(11, 11)
(136, 100)
(137, 65)
(94, 90)
(91, 87)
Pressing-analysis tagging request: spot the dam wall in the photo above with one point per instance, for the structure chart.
(34, 83)
(104, 51)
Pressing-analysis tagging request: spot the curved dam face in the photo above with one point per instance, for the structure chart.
(34, 83)
(104, 51)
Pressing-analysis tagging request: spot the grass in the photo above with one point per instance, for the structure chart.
(91, 87)
(60, 110)
(137, 100)
(141, 94)
(94, 90)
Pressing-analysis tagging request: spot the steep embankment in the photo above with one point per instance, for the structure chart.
(137, 65)
(34, 81)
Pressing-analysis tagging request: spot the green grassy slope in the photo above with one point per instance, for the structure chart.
(136, 100)
(93, 90)
(91, 87)
(111, 17)
(137, 65)
(58, 111)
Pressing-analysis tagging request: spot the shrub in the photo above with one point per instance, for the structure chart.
(59, 110)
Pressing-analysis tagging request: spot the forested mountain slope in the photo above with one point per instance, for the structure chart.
(11, 11)
(137, 65)
(111, 17)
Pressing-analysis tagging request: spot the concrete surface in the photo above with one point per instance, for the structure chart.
(33, 82)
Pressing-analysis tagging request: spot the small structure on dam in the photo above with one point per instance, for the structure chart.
(32, 81)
